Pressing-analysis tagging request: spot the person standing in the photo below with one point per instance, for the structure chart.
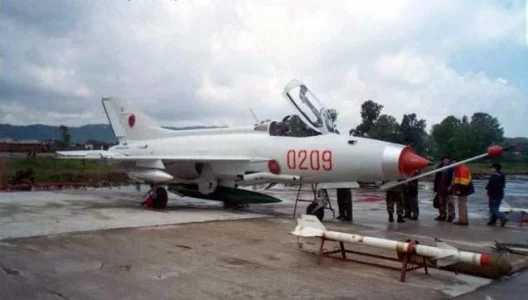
(344, 204)
(442, 185)
(393, 196)
(406, 202)
(495, 187)
(462, 187)
(412, 194)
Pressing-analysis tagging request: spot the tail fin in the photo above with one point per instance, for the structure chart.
(129, 123)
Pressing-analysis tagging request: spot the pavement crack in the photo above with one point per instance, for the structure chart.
(55, 293)
(9, 271)
(13, 272)
(184, 246)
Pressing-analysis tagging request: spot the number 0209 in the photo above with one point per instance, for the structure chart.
(314, 160)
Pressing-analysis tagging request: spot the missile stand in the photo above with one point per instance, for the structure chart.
(409, 261)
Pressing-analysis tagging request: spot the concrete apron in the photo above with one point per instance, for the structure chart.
(25, 214)
(68, 213)
(233, 259)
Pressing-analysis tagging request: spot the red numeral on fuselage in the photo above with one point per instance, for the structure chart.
(309, 160)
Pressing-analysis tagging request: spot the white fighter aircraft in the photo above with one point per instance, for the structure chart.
(214, 163)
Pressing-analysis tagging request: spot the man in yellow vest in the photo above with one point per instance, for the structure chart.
(462, 187)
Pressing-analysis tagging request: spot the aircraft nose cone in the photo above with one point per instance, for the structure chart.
(410, 162)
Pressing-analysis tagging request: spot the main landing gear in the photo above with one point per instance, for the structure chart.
(156, 197)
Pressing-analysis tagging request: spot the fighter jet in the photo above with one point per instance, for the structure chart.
(216, 164)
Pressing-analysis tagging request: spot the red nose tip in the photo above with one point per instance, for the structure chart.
(410, 162)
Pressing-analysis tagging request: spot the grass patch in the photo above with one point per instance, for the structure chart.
(50, 169)
(506, 166)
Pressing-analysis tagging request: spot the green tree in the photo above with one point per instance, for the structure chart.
(430, 146)
(462, 142)
(296, 127)
(65, 133)
(443, 133)
(387, 129)
(463, 138)
(486, 131)
(413, 131)
(332, 113)
(519, 153)
(370, 112)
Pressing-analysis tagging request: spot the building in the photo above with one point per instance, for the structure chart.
(33, 146)
(8, 145)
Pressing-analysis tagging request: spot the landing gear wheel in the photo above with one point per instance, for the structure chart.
(318, 213)
(160, 199)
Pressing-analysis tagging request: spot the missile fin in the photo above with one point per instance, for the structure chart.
(445, 261)
(445, 246)
(308, 226)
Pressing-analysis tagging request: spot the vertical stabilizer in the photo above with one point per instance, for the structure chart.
(129, 123)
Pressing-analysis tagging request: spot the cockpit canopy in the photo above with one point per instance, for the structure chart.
(311, 111)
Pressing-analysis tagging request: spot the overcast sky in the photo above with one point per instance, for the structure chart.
(207, 62)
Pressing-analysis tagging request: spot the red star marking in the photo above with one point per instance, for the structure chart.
(131, 120)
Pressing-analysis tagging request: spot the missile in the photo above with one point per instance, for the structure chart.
(443, 253)
(149, 175)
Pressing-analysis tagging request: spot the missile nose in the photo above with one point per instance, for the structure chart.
(409, 162)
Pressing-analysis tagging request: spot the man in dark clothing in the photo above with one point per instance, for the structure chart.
(406, 202)
(495, 187)
(344, 204)
(442, 188)
(393, 196)
(412, 196)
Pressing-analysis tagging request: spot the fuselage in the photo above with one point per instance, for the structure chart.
(321, 158)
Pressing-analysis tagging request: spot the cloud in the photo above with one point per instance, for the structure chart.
(427, 86)
(208, 62)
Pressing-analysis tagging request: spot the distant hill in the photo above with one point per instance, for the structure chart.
(97, 132)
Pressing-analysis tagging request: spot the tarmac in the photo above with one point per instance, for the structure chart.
(101, 244)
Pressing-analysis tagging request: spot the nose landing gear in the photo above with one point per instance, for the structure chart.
(320, 202)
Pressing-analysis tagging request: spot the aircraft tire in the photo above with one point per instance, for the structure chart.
(160, 202)
(319, 213)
